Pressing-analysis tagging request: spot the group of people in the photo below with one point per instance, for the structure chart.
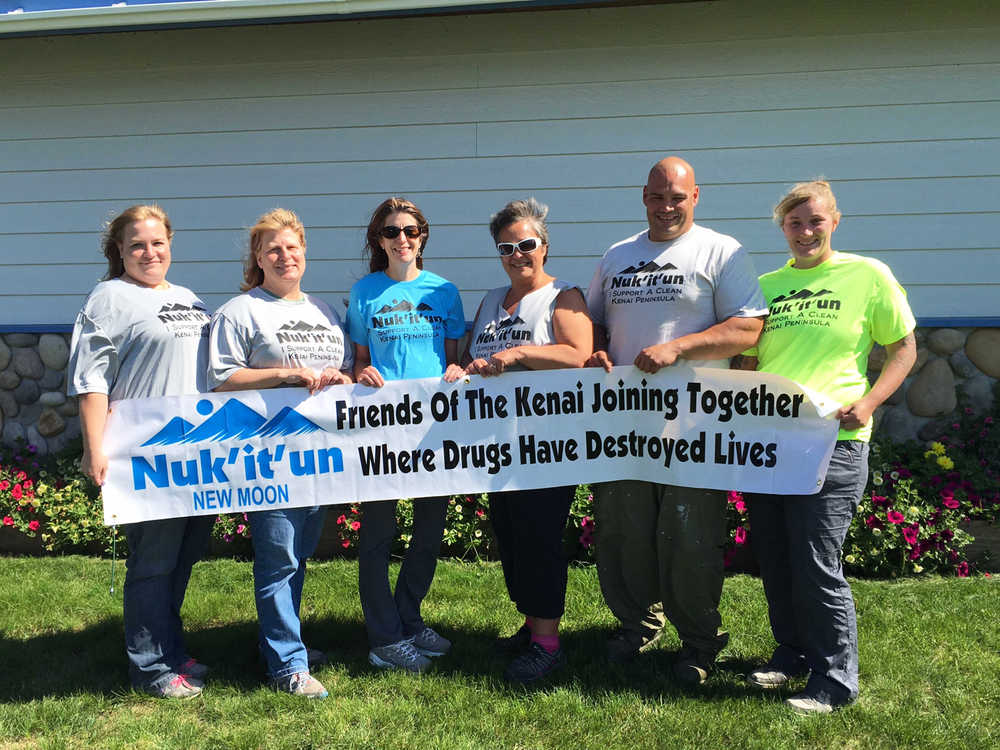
(659, 547)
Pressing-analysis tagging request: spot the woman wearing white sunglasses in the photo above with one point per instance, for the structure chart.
(405, 323)
(537, 323)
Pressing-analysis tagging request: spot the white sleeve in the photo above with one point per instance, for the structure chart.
(737, 293)
(229, 349)
(93, 361)
(595, 296)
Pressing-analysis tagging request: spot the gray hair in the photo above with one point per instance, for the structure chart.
(523, 210)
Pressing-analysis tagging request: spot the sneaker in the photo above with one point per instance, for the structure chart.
(193, 668)
(693, 666)
(315, 657)
(179, 687)
(399, 655)
(806, 705)
(430, 643)
(302, 684)
(534, 664)
(514, 644)
(771, 676)
(625, 645)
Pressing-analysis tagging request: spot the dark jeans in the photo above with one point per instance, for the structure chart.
(161, 555)
(798, 540)
(390, 617)
(529, 525)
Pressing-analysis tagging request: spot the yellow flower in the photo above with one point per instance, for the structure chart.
(914, 510)
(918, 568)
(945, 463)
(849, 558)
(877, 531)
(938, 448)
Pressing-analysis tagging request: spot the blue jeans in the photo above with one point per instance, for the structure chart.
(161, 555)
(798, 540)
(282, 540)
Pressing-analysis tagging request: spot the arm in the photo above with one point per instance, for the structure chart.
(574, 341)
(723, 340)
(454, 371)
(899, 361)
(246, 379)
(93, 418)
(600, 356)
(364, 371)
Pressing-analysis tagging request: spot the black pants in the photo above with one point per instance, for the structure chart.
(529, 526)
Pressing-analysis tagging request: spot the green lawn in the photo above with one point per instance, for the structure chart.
(929, 661)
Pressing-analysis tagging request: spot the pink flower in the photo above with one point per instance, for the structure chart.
(740, 535)
(346, 543)
(962, 570)
(910, 533)
(586, 539)
(480, 513)
(8, 521)
(734, 497)
(872, 522)
(227, 538)
(16, 492)
(33, 525)
(355, 525)
(880, 500)
(4, 485)
(894, 516)
(740, 506)
(988, 420)
(587, 522)
(27, 484)
(950, 502)
(354, 510)
(341, 518)
(240, 529)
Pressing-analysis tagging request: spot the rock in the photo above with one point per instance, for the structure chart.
(52, 398)
(9, 380)
(922, 356)
(52, 380)
(8, 404)
(920, 335)
(932, 392)
(30, 413)
(50, 423)
(5, 355)
(21, 339)
(945, 341)
(962, 365)
(978, 391)
(28, 364)
(897, 396)
(27, 392)
(983, 348)
(12, 432)
(70, 409)
(72, 430)
(899, 425)
(54, 351)
(35, 438)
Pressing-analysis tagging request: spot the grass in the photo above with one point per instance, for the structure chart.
(929, 659)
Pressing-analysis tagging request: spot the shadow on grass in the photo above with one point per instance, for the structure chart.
(92, 661)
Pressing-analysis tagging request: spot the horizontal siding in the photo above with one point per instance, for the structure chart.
(327, 119)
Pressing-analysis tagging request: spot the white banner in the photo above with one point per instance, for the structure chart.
(253, 450)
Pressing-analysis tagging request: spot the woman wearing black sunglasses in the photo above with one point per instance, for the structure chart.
(536, 323)
(405, 323)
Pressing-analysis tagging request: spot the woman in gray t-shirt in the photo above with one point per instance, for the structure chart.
(124, 346)
(271, 336)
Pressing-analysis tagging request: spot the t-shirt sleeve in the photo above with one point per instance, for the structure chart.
(228, 350)
(348, 363)
(737, 292)
(93, 362)
(357, 330)
(455, 325)
(890, 318)
(595, 296)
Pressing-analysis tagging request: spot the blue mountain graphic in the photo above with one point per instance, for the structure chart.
(233, 420)
(172, 432)
(287, 422)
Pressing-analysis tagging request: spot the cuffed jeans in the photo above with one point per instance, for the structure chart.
(798, 540)
(389, 617)
(282, 541)
(660, 543)
(161, 555)
(529, 525)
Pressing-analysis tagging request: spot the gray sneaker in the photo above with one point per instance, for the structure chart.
(430, 643)
(399, 655)
(806, 705)
(625, 645)
(301, 684)
(179, 687)
(771, 676)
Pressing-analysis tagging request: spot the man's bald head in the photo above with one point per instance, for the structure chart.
(670, 196)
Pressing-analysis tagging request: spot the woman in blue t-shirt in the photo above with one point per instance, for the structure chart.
(405, 323)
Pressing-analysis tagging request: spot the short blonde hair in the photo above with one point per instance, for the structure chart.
(802, 192)
(111, 240)
(273, 221)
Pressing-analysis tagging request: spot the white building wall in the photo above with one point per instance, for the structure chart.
(898, 105)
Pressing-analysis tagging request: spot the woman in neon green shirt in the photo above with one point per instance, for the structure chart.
(826, 311)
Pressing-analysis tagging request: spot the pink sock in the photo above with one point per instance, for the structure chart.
(549, 642)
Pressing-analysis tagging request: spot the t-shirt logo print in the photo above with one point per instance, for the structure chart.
(404, 313)
(511, 329)
(803, 307)
(649, 273)
(299, 331)
(184, 321)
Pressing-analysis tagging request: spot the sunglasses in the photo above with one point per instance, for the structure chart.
(391, 232)
(527, 245)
